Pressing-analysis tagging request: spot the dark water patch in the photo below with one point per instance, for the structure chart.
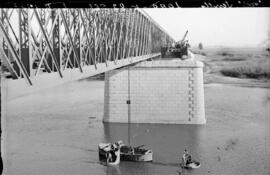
(267, 99)
(219, 158)
(92, 121)
(172, 164)
(92, 117)
(233, 59)
(225, 54)
(231, 144)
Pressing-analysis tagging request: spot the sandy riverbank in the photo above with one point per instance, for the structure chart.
(245, 67)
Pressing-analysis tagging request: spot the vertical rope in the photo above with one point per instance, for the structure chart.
(128, 102)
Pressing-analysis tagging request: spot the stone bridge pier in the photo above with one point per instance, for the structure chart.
(156, 92)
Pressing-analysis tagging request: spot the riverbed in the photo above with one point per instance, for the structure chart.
(57, 130)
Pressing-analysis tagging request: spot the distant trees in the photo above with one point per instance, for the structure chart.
(268, 50)
(200, 46)
(199, 50)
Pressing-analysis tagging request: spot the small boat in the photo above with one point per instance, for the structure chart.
(136, 154)
(109, 153)
(192, 165)
(131, 153)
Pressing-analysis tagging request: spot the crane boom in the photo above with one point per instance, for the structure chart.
(184, 36)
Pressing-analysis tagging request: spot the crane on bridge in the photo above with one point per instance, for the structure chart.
(178, 50)
(184, 37)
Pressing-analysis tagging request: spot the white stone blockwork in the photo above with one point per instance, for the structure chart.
(159, 92)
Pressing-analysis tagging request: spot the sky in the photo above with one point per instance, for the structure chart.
(229, 27)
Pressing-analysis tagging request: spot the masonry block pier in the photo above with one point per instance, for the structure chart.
(156, 92)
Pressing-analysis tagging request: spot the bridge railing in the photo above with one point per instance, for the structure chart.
(38, 41)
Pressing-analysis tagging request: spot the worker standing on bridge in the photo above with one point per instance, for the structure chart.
(187, 44)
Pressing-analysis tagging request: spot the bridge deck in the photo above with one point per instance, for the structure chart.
(14, 88)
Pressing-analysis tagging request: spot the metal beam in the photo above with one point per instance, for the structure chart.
(48, 43)
(72, 43)
(71, 38)
(6, 62)
(15, 55)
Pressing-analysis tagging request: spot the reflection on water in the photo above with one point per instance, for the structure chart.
(167, 142)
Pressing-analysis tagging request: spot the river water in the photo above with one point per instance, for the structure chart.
(56, 131)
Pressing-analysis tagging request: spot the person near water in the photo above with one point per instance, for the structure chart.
(109, 157)
(186, 158)
(111, 154)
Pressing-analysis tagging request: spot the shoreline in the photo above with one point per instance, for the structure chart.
(216, 77)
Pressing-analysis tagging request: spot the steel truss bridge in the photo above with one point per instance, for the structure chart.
(38, 45)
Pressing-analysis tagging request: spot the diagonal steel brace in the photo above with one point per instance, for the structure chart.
(48, 43)
(15, 55)
(70, 37)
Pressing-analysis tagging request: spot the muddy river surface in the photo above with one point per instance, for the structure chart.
(56, 132)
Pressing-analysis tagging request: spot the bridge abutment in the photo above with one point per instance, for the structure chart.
(158, 92)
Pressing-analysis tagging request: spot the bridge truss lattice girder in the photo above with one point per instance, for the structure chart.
(37, 41)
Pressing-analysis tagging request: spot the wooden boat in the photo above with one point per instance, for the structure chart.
(192, 165)
(109, 153)
(136, 154)
(128, 152)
